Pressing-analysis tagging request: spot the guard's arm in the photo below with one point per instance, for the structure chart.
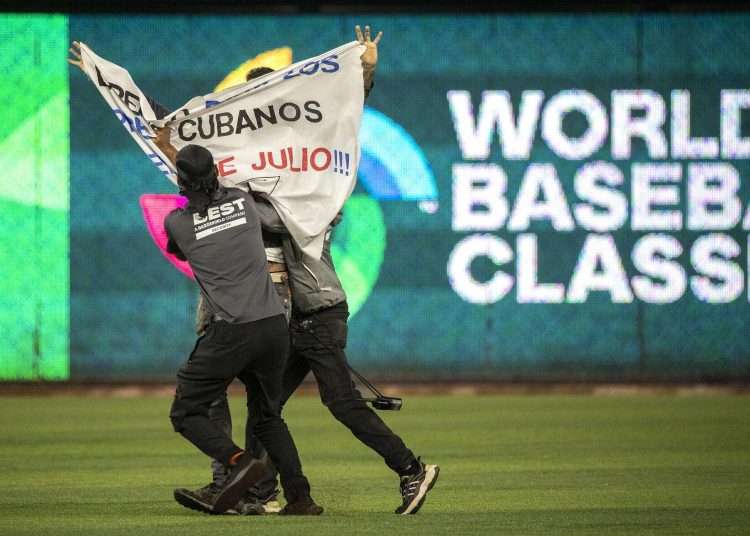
(172, 246)
(269, 218)
(175, 250)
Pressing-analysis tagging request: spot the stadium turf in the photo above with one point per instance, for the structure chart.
(579, 465)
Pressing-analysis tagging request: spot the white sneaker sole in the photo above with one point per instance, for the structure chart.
(431, 475)
(272, 507)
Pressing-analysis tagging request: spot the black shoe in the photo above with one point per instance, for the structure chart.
(302, 507)
(244, 474)
(201, 500)
(414, 488)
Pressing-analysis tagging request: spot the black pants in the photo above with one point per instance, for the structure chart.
(219, 410)
(255, 353)
(318, 343)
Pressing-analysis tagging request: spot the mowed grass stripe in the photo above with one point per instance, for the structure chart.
(510, 465)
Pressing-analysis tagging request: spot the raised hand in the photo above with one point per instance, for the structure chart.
(75, 55)
(370, 55)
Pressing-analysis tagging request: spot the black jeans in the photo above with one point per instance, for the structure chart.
(318, 343)
(219, 413)
(255, 353)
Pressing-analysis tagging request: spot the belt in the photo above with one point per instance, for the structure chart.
(279, 277)
(276, 267)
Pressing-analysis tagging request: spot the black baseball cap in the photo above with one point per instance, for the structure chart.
(195, 166)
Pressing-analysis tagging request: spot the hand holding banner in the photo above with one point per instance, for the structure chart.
(291, 134)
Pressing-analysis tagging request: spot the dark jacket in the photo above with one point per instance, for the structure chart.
(314, 282)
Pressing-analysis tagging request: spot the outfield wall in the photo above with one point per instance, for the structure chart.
(544, 196)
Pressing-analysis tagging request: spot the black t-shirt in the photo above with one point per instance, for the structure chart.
(225, 250)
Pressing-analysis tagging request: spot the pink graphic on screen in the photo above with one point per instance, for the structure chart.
(155, 208)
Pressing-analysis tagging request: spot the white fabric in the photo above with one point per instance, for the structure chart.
(298, 126)
(275, 255)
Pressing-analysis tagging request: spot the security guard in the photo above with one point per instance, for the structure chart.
(219, 234)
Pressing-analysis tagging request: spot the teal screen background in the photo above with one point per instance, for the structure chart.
(131, 313)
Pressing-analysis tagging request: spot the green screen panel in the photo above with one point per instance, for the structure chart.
(34, 198)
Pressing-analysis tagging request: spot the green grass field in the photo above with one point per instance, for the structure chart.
(581, 465)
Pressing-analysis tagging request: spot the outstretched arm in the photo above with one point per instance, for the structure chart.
(163, 143)
(75, 59)
(369, 57)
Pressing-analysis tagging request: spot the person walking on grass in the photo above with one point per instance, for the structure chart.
(247, 337)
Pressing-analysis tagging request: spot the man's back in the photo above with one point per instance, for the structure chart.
(225, 250)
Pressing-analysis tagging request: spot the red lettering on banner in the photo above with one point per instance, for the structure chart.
(262, 164)
(290, 152)
(327, 155)
(282, 164)
(225, 168)
(318, 159)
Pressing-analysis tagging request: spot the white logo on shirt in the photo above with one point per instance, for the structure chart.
(219, 218)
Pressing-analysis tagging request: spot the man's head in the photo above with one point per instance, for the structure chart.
(195, 170)
(257, 72)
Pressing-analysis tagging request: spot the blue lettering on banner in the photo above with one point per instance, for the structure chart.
(134, 125)
(326, 65)
(157, 160)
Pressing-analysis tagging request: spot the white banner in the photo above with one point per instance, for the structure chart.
(292, 134)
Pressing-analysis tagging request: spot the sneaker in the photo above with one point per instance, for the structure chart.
(244, 474)
(201, 499)
(269, 503)
(414, 488)
(303, 507)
